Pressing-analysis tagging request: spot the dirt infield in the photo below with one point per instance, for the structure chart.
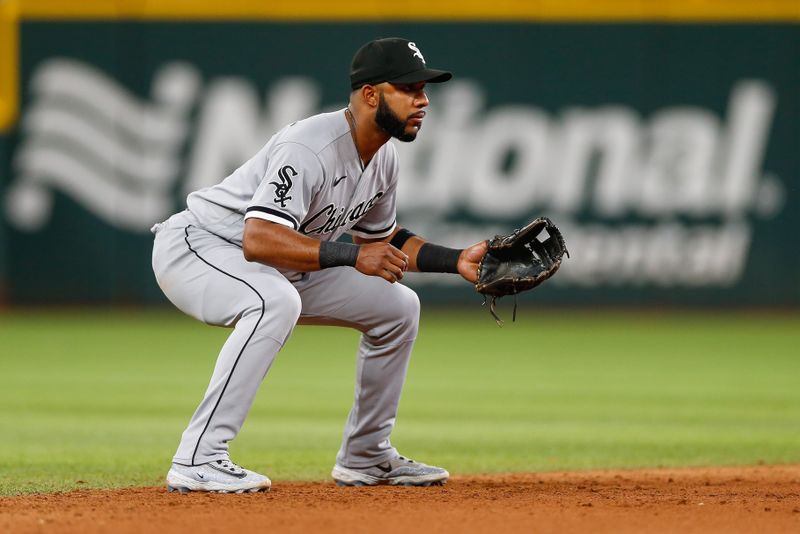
(750, 499)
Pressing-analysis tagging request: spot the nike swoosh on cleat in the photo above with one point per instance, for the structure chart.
(384, 469)
(337, 180)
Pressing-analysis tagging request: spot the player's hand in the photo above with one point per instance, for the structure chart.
(470, 259)
(382, 259)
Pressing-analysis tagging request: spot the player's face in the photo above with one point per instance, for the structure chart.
(401, 109)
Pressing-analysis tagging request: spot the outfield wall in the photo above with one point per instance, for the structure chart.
(665, 143)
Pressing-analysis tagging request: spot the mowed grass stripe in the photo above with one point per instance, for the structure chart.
(99, 398)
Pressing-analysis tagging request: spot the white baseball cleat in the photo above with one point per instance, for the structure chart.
(398, 471)
(219, 476)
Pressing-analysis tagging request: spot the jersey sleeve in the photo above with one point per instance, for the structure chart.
(293, 175)
(381, 220)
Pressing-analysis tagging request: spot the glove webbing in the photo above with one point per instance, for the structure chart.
(497, 318)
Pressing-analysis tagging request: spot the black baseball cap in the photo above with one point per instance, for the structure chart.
(393, 60)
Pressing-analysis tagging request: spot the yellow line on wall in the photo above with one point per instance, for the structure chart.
(9, 57)
(418, 10)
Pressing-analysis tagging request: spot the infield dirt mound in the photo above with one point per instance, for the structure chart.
(750, 499)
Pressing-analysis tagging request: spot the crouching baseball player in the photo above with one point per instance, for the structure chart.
(258, 252)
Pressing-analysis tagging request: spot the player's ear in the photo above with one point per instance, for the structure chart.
(370, 95)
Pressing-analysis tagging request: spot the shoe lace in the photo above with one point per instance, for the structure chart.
(230, 466)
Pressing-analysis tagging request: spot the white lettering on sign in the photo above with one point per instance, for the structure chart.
(673, 194)
(609, 160)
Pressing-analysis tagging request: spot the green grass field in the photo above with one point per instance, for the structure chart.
(99, 399)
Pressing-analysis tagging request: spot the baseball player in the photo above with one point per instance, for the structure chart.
(258, 252)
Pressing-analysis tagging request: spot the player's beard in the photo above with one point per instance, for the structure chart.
(388, 120)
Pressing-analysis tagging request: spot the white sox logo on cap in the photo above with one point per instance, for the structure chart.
(417, 53)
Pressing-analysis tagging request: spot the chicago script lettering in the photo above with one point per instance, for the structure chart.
(331, 217)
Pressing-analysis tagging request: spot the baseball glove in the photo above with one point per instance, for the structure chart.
(520, 261)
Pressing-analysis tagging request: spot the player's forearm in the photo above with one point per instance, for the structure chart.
(279, 246)
(411, 248)
(437, 259)
(424, 256)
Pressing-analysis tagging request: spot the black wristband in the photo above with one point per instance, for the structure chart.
(400, 238)
(335, 254)
(437, 259)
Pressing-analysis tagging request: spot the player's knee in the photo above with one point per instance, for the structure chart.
(293, 305)
(401, 315)
(283, 304)
(409, 307)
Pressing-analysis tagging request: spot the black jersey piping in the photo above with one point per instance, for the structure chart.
(276, 213)
(372, 232)
(233, 368)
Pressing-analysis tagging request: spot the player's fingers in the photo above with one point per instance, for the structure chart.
(397, 253)
(396, 271)
(401, 263)
(405, 263)
(387, 275)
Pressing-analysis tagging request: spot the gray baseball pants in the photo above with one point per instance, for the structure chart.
(208, 278)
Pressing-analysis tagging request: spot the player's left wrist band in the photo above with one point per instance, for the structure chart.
(335, 254)
(438, 259)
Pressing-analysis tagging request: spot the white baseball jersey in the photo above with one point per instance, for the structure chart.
(308, 177)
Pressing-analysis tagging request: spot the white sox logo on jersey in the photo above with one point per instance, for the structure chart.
(282, 188)
(332, 217)
(417, 53)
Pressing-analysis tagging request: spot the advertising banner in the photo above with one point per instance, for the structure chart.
(667, 153)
